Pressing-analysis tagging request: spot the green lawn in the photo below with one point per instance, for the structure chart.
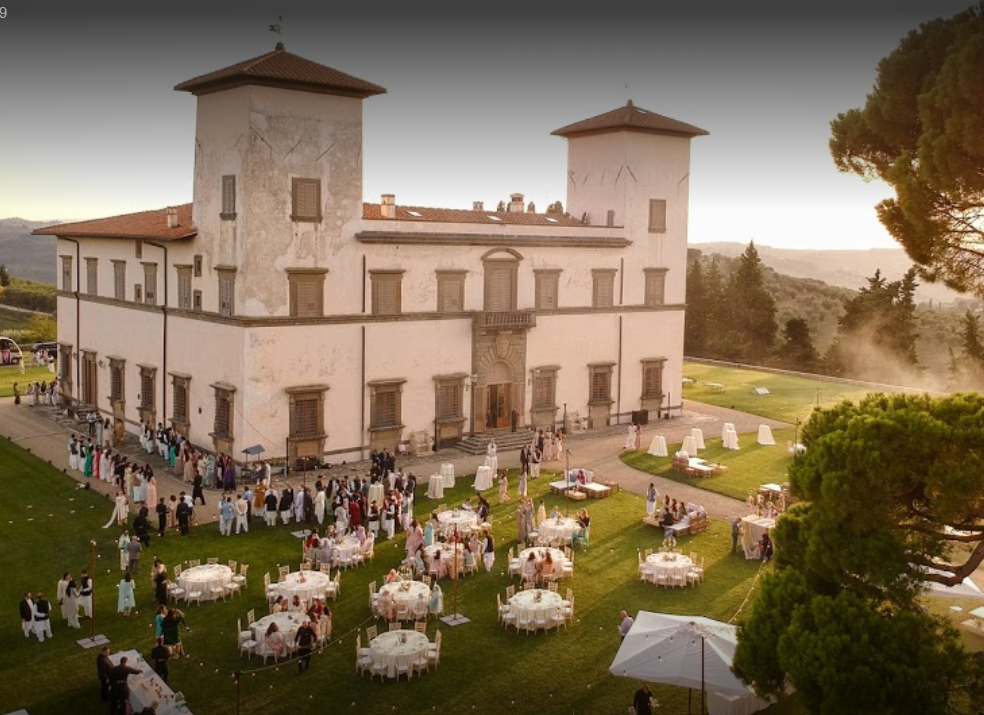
(47, 523)
(10, 374)
(789, 397)
(748, 467)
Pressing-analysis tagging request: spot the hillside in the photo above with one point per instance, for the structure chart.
(847, 269)
(25, 255)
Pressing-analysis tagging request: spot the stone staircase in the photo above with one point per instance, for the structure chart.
(505, 441)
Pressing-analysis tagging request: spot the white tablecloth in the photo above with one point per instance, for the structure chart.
(765, 435)
(332, 550)
(435, 487)
(407, 598)
(447, 471)
(525, 605)
(668, 565)
(556, 554)
(376, 493)
(492, 463)
(731, 439)
(688, 445)
(148, 688)
(398, 648)
(725, 428)
(562, 528)
(753, 527)
(203, 578)
(287, 622)
(306, 584)
(698, 434)
(657, 447)
(483, 478)
(465, 520)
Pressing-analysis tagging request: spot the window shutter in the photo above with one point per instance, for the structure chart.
(308, 297)
(307, 199)
(229, 196)
(184, 287)
(657, 215)
(500, 289)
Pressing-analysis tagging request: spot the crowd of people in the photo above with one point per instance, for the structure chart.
(37, 393)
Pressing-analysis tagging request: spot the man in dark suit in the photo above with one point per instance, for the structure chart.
(524, 459)
(121, 688)
(183, 512)
(103, 667)
(305, 638)
(26, 607)
(159, 656)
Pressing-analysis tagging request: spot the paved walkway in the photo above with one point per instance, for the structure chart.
(41, 431)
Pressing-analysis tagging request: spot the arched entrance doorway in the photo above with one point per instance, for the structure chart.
(498, 404)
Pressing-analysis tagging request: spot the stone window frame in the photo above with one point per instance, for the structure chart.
(198, 262)
(501, 259)
(450, 290)
(386, 277)
(544, 395)
(547, 281)
(148, 388)
(603, 287)
(183, 273)
(119, 279)
(657, 215)
(302, 184)
(66, 273)
(386, 387)
(449, 388)
(117, 380)
(299, 276)
(180, 384)
(600, 375)
(196, 300)
(649, 390)
(226, 276)
(87, 390)
(91, 275)
(225, 402)
(301, 394)
(150, 283)
(65, 365)
(655, 286)
(228, 211)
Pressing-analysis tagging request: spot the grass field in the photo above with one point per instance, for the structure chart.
(10, 374)
(46, 524)
(748, 467)
(789, 397)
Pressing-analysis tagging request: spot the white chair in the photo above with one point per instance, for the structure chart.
(363, 659)
(232, 588)
(404, 667)
(524, 621)
(334, 586)
(540, 621)
(195, 596)
(696, 573)
(420, 664)
(192, 563)
(240, 577)
(212, 560)
(283, 571)
(217, 592)
(506, 615)
(395, 626)
(378, 668)
(434, 650)
(246, 643)
(270, 589)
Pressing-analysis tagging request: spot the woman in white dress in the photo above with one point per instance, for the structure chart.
(560, 445)
(122, 545)
(503, 488)
(120, 512)
(319, 506)
(541, 513)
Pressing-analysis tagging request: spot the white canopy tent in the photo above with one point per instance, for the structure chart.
(688, 651)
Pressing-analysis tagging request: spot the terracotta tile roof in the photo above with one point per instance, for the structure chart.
(282, 69)
(145, 224)
(373, 212)
(631, 118)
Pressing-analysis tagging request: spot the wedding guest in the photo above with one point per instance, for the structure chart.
(159, 656)
(127, 597)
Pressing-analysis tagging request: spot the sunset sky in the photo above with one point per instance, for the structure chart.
(91, 125)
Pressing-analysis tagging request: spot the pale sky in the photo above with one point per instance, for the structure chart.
(91, 125)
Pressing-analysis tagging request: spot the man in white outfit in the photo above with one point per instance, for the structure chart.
(242, 511)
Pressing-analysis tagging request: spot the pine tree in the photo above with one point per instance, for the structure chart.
(750, 308)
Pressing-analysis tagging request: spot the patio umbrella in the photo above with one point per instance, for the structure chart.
(689, 651)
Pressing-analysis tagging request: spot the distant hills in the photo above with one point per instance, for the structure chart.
(25, 255)
(845, 268)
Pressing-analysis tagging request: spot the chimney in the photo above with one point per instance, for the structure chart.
(172, 218)
(478, 205)
(531, 209)
(387, 206)
(516, 203)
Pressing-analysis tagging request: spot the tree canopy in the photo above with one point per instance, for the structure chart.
(921, 130)
(889, 486)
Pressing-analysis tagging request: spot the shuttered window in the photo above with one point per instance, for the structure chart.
(184, 287)
(180, 387)
(304, 416)
(119, 280)
(655, 286)
(657, 216)
(603, 288)
(227, 292)
(500, 295)
(92, 276)
(228, 197)
(307, 290)
(449, 399)
(222, 426)
(544, 388)
(450, 291)
(150, 284)
(652, 379)
(148, 388)
(116, 379)
(386, 292)
(306, 204)
(64, 363)
(600, 387)
(66, 273)
(384, 404)
(547, 288)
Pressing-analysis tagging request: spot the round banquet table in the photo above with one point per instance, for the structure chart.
(556, 554)
(406, 598)
(462, 518)
(204, 578)
(668, 565)
(446, 556)
(435, 487)
(447, 471)
(398, 648)
(288, 623)
(306, 584)
(560, 528)
(483, 478)
(526, 606)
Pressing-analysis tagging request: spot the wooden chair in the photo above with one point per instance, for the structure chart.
(246, 643)
(192, 563)
(395, 626)
(420, 627)
(371, 633)
(363, 659)
(212, 560)
(283, 571)
(240, 578)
